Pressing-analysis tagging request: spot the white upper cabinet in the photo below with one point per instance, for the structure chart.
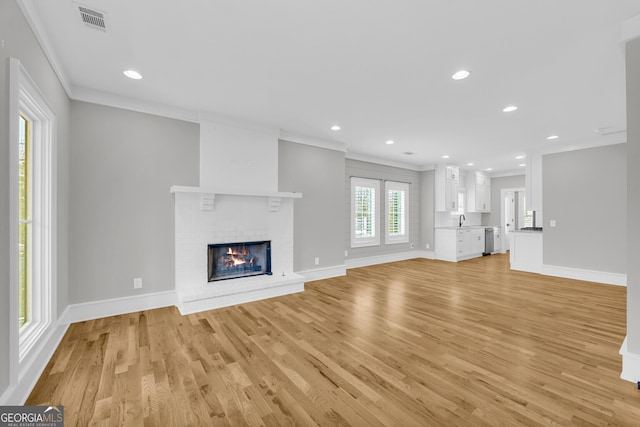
(478, 185)
(447, 181)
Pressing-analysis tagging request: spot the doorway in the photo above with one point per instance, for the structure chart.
(512, 203)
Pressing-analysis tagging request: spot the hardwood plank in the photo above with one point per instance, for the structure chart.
(416, 342)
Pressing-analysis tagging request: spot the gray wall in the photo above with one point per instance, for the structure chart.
(585, 192)
(428, 209)
(497, 184)
(382, 172)
(319, 225)
(20, 43)
(122, 166)
(633, 195)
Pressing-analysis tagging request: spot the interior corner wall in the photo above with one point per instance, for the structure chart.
(382, 172)
(123, 164)
(585, 192)
(428, 209)
(497, 185)
(633, 195)
(318, 174)
(20, 43)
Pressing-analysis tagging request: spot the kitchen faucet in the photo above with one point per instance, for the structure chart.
(460, 219)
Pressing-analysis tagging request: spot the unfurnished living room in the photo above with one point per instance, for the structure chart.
(356, 213)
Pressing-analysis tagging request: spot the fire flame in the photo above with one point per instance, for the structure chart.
(237, 260)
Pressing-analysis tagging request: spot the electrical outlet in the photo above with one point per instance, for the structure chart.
(428, 246)
(552, 223)
(346, 253)
(413, 246)
(137, 283)
(317, 260)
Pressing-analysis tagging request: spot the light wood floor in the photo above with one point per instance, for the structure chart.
(413, 343)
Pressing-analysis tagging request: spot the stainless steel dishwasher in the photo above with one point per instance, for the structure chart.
(488, 241)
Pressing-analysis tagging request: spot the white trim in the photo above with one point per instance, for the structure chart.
(586, 275)
(35, 363)
(374, 240)
(323, 273)
(530, 268)
(26, 98)
(206, 190)
(630, 364)
(116, 306)
(383, 259)
(386, 162)
(133, 104)
(402, 187)
(34, 21)
(630, 29)
(314, 142)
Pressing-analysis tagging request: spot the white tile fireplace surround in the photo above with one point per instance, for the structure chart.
(205, 216)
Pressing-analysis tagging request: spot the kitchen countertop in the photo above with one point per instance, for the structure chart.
(466, 227)
(527, 231)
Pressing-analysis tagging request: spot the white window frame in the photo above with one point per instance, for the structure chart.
(402, 237)
(374, 240)
(26, 99)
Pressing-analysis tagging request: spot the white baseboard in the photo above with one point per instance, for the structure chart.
(383, 259)
(113, 307)
(32, 367)
(324, 273)
(630, 364)
(587, 275)
(530, 268)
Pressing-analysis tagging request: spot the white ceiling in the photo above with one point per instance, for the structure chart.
(380, 69)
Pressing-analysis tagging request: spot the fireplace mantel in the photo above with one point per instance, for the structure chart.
(207, 190)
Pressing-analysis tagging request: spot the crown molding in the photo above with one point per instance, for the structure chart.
(386, 162)
(630, 29)
(315, 142)
(134, 104)
(34, 21)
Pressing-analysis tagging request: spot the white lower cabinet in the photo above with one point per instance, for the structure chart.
(457, 244)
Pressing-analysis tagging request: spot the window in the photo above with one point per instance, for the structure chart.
(461, 203)
(24, 221)
(364, 212)
(33, 231)
(397, 206)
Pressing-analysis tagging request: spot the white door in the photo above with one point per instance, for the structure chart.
(509, 217)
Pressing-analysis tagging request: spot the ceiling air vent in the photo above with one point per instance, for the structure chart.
(92, 18)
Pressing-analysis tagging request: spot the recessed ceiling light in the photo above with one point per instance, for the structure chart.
(389, 142)
(335, 127)
(133, 74)
(489, 169)
(459, 75)
(470, 164)
(522, 164)
(446, 156)
(520, 157)
(509, 108)
(553, 137)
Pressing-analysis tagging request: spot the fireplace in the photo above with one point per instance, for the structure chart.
(242, 259)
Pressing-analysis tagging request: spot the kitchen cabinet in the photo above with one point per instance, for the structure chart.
(478, 186)
(477, 241)
(447, 182)
(457, 244)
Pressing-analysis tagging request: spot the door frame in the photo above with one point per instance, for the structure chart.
(505, 233)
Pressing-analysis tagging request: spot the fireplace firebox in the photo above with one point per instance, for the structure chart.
(242, 259)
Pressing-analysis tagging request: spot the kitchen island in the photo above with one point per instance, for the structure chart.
(526, 250)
